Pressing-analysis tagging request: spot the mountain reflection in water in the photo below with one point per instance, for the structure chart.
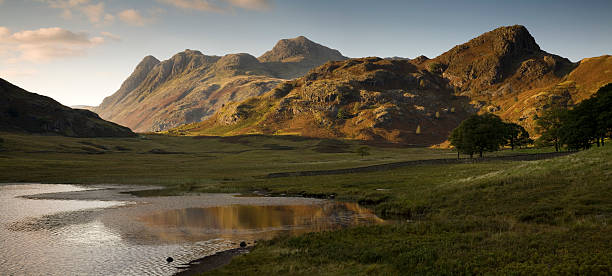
(255, 221)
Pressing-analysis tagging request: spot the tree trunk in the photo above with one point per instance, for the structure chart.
(481, 154)
(457, 155)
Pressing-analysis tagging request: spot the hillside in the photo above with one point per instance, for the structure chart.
(503, 71)
(191, 86)
(367, 98)
(23, 111)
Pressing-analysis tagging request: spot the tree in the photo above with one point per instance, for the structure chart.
(516, 135)
(588, 122)
(478, 134)
(579, 127)
(604, 112)
(549, 125)
(363, 151)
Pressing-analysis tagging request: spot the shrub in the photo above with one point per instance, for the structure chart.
(436, 67)
(363, 151)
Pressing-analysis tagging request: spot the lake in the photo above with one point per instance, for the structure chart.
(52, 229)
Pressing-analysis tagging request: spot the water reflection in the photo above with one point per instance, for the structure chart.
(58, 236)
(257, 221)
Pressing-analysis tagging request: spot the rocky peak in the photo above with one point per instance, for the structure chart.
(489, 58)
(300, 49)
(134, 80)
(140, 73)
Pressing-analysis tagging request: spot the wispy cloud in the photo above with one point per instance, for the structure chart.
(46, 44)
(219, 5)
(96, 14)
(260, 5)
(111, 36)
(133, 17)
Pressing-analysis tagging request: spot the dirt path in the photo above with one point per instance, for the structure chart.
(394, 165)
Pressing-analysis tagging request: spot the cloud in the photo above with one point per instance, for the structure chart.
(111, 36)
(46, 44)
(4, 32)
(46, 35)
(95, 13)
(65, 4)
(219, 5)
(260, 5)
(132, 17)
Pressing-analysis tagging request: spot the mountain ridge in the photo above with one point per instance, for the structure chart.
(503, 71)
(190, 86)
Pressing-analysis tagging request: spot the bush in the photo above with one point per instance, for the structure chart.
(436, 67)
(342, 114)
(363, 151)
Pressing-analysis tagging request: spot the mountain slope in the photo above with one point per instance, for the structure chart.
(366, 98)
(503, 71)
(24, 111)
(191, 86)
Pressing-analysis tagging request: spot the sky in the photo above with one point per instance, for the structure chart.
(80, 51)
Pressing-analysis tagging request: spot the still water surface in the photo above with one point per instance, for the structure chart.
(133, 236)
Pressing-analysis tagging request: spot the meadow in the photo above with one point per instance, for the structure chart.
(500, 217)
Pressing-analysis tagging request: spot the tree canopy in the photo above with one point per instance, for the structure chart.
(587, 123)
(481, 133)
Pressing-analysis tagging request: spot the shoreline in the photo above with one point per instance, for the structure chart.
(212, 262)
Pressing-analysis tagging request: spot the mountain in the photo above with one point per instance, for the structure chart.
(292, 58)
(366, 98)
(21, 110)
(503, 71)
(191, 86)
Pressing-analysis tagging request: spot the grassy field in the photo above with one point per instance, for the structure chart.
(170, 161)
(539, 217)
(523, 218)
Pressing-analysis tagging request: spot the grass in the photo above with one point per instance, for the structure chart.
(170, 161)
(521, 218)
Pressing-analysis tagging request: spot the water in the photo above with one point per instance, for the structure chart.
(108, 233)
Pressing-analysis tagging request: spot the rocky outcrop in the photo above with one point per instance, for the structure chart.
(496, 56)
(23, 111)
